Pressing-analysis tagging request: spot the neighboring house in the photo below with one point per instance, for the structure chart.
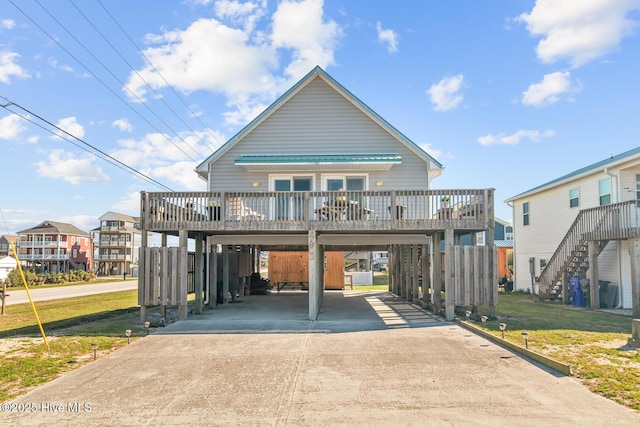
(55, 247)
(7, 264)
(319, 171)
(116, 244)
(5, 247)
(584, 225)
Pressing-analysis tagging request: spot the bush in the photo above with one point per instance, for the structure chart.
(34, 279)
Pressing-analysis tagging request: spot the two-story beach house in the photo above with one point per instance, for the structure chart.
(581, 229)
(319, 171)
(6, 241)
(117, 244)
(55, 247)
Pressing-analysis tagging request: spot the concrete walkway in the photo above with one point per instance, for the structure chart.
(370, 360)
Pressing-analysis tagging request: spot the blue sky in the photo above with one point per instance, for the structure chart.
(505, 94)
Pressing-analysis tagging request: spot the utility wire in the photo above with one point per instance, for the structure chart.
(162, 77)
(102, 154)
(161, 98)
(98, 78)
(119, 81)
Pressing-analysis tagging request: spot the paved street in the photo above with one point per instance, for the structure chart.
(20, 297)
(370, 360)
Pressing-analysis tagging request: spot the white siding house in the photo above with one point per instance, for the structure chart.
(595, 203)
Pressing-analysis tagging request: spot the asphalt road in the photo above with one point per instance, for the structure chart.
(20, 297)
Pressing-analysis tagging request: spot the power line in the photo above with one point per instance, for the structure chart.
(101, 154)
(161, 98)
(98, 78)
(119, 81)
(161, 76)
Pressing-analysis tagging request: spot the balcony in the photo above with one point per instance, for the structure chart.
(334, 211)
(113, 257)
(46, 257)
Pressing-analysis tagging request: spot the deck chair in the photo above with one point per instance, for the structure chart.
(237, 210)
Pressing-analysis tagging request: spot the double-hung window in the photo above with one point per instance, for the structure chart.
(604, 191)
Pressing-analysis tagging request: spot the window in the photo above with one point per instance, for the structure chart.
(574, 197)
(508, 233)
(604, 190)
(637, 187)
(525, 213)
(291, 207)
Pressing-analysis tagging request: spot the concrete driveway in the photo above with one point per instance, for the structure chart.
(370, 360)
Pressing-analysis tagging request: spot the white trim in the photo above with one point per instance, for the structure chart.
(325, 176)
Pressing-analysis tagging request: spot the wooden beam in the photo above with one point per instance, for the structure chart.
(198, 274)
(594, 288)
(634, 253)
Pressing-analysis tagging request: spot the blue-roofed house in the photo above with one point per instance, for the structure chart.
(319, 171)
(579, 232)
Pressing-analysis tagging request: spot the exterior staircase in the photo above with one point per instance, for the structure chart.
(617, 221)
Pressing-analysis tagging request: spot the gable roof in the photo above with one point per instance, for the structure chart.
(53, 227)
(579, 173)
(317, 72)
(110, 215)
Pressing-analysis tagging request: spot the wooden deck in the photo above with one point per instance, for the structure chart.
(341, 211)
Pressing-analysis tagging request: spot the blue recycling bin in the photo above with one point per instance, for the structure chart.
(577, 298)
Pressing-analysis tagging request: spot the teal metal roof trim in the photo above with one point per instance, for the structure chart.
(202, 167)
(593, 167)
(318, 159)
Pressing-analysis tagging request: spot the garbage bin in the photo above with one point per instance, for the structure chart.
(586, 292)
(603, 288)
(577, 298)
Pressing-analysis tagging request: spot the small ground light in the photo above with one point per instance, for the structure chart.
(525, 335)
(503, 326)
(94, 346)
(468, 314)
(146, 326)
(484, 320)
(127, 334)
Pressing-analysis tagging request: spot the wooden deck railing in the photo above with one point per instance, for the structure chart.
(610, 222)
(323, 210)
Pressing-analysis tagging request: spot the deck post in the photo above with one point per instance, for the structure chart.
(183, 237)
(316, 270)
(213, 275)
(225, 274)
(142, 278)
(426, 281)
(415, 272)
(437, 272)
(594, 288)
(198, 275)
(449, 288)
(634, 253)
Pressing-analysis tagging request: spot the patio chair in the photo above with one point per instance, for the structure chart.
(237, 210)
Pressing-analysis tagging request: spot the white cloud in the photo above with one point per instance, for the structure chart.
(9, 68)
(436, 154)
(230, 56)
(181, 173)
(387, 36)
(515, 138)
(129, 203)
(579, 30)
(123, 125)
(299, 26)
(83, 222)
(7, 24)
(71, 126)
(65, 166)
(246, 14)
(64, 67)
(549, 90)
(11, 126)
(446, 95)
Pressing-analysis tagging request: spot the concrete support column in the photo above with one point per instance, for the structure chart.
(594, 288)
(493, 271)
(198, 274)
(449, 287)
(437, 273)
(225, 274)
(634, 253)
(316, 275)
(183, 239)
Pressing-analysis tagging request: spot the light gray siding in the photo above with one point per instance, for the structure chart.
(318, 120)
